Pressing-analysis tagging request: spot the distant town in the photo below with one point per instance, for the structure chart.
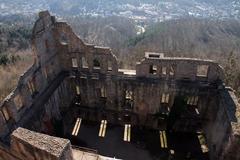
(140, 12)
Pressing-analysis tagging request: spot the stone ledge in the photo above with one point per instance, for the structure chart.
(52, 145)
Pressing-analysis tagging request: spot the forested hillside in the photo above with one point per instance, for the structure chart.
(112, 31)
(192, 37)
(15, 53)
(15, 32)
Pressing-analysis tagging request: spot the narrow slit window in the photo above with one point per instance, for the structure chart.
(84, 63)
(109, 66)
(171, 71)
(96, 64)
(5, 113)
(128, 94)
(74, 62)
(164, 70)
(192, 100)
(103, 92)
(165, 98)
(78, 90)
(31, 86)
(18, 102)
(202, 70)
(153, 69)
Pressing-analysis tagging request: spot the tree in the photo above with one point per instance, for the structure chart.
(232, 72)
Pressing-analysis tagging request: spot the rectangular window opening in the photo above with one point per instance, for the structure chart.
(153, 69)
(96, 64)
(5, 113)
(129, 94)
(84, 63)
(18, 102)
(164, 70)
(165, 98)
(154, 56)
(103, 92)
(202, 70)
(109, 66)
(171, 72)
(74, 62)
(78, 90)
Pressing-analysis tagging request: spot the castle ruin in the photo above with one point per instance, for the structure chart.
(72, 82)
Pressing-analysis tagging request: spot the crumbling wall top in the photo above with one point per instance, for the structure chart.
(43, 14)
(49, 144)
(156, 65)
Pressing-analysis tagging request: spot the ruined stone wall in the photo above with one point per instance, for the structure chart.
(35, 81)
(231, 140)
(179, 68)
(147, 88)
(21, 99)
(69, 72)
(41, 90)
(146, 97)
(30, 145)
(221, 133)
(58, 100)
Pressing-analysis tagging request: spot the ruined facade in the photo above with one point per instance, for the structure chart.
(69, 74)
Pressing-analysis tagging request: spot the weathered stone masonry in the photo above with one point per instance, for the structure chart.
(67, 70)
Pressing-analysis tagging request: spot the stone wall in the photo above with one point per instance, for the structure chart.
(179, 68)
(30, 145)
(231, 141)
